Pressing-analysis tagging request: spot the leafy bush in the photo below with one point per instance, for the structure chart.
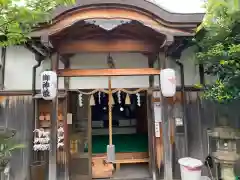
(7, 146)
(218, 39)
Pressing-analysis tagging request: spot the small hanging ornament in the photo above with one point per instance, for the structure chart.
(127, 100)
(138, 99)
(92, 101)
(99, 97)
(80, 100)
(104, 101)
(119, 97)
(119, 100)
(60, 135)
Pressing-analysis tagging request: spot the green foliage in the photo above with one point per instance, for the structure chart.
(6, 149)
(218, 39)
(7, 146)
(19, 17)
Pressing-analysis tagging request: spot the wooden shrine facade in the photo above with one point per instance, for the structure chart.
(106, 27)
(102, 27)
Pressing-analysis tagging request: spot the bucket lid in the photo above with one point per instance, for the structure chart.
(190, 162)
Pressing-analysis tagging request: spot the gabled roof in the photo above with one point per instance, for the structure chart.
(152, 15)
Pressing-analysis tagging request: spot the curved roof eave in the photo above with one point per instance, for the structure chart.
(97, 12)
(141, 4)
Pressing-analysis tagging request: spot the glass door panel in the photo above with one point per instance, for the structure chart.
(80, 140)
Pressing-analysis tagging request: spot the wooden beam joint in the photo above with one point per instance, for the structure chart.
(117, 45)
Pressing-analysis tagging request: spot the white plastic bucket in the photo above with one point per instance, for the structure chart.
(191, 168)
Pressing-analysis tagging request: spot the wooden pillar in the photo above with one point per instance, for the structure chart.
(167, 147)
(53, 127)
(66, 126)
(3, 62)
(201, 74)
(151, 124)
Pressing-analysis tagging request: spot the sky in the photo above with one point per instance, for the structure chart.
(174, 6)
(181, 6)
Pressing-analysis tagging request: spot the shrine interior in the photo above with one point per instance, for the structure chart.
(129, 133)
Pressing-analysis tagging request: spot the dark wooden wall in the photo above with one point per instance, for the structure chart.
(18, 114)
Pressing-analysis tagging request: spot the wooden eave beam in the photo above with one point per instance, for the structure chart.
(179, 46)
(36, 49)
(95, 46)
(107, 72)
(65, 59)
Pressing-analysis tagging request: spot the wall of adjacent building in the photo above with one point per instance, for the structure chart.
(20, 62)
(18, 68)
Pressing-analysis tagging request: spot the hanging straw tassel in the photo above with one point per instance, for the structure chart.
(92, 101)
(113, 101)
(127, 100)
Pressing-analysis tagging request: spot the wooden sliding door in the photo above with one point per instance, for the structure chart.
(80, 140)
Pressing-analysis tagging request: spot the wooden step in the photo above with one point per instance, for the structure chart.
(130, 161)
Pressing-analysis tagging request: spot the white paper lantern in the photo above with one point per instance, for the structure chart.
(168, 82)
(48, 85)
